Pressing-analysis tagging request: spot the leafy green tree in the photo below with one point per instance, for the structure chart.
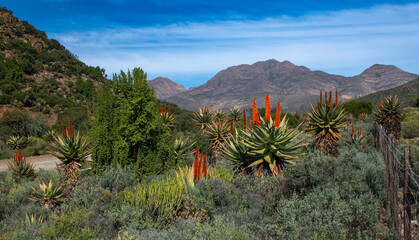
(132, 132)
(355, 107)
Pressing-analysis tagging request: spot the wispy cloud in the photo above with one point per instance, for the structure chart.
(341, 42)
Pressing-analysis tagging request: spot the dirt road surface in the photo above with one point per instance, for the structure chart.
(46, 162)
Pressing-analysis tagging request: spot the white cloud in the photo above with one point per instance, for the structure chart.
(342, 42)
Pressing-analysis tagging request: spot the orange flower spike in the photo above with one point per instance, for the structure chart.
(244, 119)
(353, 130)
(325, 97)
(330, 98)
(196, 161)
(337, 99)
(382, 104)
(15, 158)
(278, 115)
(64, 132)
(204, 167)
(164, 108)
(360, 130)
(268, 108)
(70, 128)
(321, 97)
(255, 111)
(170, 110)
(19, 156)
(231, 125)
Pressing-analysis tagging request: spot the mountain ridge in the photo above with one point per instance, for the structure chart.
(286, 82)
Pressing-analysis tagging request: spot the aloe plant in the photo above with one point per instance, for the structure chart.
(217, 132)
(49, 196)
(203, 117)
(71, 150)
(357, 139)
(19, 142)
(389, 114)
(267, 145)
(235, 114)
(219, 115)
(181, 147)
(167, 116)
(326, 122)
(188, 175)
(21, 168)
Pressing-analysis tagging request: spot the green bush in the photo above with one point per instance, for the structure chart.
(410, 124)
(19, 123)
(116, 179)
(324, 211)
(355, 107)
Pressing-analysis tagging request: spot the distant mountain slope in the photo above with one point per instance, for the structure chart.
(165, 87)
(39, 73)
(292, 85)
(407, 92)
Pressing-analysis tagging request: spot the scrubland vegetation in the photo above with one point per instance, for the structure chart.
(159, 172)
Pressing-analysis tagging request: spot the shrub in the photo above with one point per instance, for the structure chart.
(324, 212)
(410, 124)
(355, 108)
(158, 198)
(116, 179)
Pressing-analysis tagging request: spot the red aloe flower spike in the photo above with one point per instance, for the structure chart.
(159, 109)
(268, 108)
(360, 131)
(15, 158)
(325, 97)
(198, 172)
(330, 98)
(244, 119)
(321, 97)
(204, 167)
(64, 132)
(382, 104)
(353, 130)
(337, 100)
(19, 156)
(170, 109)
(278, 115)
(255, 113)
(196, 161)
(70, 128)
(231, 125)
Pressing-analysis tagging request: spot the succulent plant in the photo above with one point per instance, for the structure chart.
(189, 175)
(71, 150)
(357, 139)
(203, 117)
(19, 142)
(267, 145)
(49, 196)
(181, 147)
(235, 114)
(325, 123)
(389, 114)
(21, 168)
(217, 132)
(219, 116)
(167, 116)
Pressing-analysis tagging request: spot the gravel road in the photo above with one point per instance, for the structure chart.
(46, 162)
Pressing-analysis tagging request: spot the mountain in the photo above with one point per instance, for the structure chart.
(38, 73)
(294, 86)
(165, 87)
(407, 93)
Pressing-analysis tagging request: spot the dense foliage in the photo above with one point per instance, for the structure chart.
(128, 129)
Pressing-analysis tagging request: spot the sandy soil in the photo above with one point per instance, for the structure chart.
(46, 162)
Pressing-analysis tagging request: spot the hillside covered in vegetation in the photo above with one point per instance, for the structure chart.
(39, 73)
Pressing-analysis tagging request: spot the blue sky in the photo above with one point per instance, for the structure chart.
(190, 41)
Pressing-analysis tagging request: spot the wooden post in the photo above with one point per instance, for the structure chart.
(406, 195)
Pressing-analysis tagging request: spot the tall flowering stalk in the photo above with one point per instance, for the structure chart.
(278, 115)
(21, 168)
(71, 150)
(256, 120)
(268, 108)
(167, 116)
(326, 122)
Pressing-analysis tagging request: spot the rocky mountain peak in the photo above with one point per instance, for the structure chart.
(164, 87)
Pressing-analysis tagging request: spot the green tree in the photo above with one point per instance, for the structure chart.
(355, 107)
(129, 124)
